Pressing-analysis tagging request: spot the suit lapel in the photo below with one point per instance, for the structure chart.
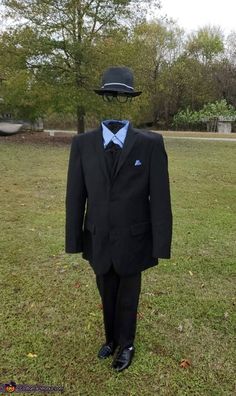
(128, 144)
(99, 146)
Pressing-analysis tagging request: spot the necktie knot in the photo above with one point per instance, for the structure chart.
(112, 146)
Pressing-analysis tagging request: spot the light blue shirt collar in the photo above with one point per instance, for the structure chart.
(117, 138)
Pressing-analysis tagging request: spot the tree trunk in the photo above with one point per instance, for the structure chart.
(80, 119)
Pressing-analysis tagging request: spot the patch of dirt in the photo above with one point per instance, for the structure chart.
(59, 138)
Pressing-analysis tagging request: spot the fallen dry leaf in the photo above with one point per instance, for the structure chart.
(77, 285)
(185, 363)
(31, 355)
(190, 273)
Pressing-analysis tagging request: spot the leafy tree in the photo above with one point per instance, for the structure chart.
(224, 71)
(154, 46)
(206, 44)
(230, 49)
(66, 34)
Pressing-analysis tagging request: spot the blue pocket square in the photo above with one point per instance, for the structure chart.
(137, 162)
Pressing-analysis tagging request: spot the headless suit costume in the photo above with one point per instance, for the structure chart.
(119, 294)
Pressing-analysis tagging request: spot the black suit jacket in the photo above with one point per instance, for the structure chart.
(127, 219)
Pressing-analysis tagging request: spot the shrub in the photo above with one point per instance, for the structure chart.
(189, 119)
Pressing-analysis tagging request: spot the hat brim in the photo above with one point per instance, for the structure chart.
(116, 92)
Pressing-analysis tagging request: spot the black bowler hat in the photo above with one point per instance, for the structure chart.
(118, 81)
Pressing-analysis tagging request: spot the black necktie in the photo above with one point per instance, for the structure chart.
(112, 152)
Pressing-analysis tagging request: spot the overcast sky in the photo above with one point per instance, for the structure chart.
(192, 14)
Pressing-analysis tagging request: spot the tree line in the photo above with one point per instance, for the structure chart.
(54, 52)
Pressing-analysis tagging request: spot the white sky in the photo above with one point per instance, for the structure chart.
(192, 14)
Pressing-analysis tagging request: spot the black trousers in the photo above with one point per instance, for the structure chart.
(120, 298)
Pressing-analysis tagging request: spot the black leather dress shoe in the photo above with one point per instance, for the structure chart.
(123, 358)
(106, 350)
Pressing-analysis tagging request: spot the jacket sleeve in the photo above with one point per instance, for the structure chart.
(160, 201)
(76, 195)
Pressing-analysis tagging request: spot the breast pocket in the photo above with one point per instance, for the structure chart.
(136, 165)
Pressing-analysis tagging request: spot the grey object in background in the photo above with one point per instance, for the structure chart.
(9, 128)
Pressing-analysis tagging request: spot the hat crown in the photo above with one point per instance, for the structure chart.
(118, 80)
(118, 75)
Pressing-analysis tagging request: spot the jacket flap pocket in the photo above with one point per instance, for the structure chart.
(140, 228)
(89, 226)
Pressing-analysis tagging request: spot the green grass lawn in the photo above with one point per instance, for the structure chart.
(50, 305)
(215, 135)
